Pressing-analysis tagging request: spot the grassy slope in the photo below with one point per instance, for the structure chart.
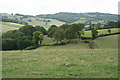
(34, 22)
(6, 26)
(103, 31)
(39, 63)
(72, 61)
(109, 42)
(41, 23)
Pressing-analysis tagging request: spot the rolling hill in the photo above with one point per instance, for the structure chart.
(32, 20)
(46, 20)
(65, 61)
(87, 17)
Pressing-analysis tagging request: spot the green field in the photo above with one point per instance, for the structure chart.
(103, 31)
(109, 42)
(35, 22)
(75, 60)
(6, 26)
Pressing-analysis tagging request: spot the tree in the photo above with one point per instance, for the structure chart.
(12, 34)
(109, 31)
(37, 36)
(8, 44)
(27, 30)
(74, 31)
(98, 25)
(41, 38)
(15, 44)
(77, 28)
(94, 33)
(59, 34)
(51, 32)
(79, 34)
(112, 24)
(69, 33)
(65, 26)
(52, 27)
(92, 26)
(41, 29)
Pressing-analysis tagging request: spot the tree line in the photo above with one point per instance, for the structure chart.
(33, 36)
(21, 38)
(110, 24)
(6, 19)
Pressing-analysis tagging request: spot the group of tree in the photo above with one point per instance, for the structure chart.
(110, 24)
(29, 36)
(71, 31)
(23, 37)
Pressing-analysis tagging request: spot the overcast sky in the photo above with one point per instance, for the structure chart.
(35, 7)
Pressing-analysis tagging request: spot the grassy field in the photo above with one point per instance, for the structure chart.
(103, 31)
(35, 22)
(109, 42)
(66, 61)
(6, 26)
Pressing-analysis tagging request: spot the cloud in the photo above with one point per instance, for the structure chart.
(34, 7)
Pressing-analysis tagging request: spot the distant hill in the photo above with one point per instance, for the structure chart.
(87, 17)
(28, 19)
(15, 21)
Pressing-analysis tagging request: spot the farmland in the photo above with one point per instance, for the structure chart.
(103, 31)
(67, 61)
(6, 26)
(66, 53)
(110, 41)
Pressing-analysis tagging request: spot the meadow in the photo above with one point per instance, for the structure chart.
(75, 60)
(102, 31)
(6, 26)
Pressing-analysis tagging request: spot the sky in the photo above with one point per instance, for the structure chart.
(35, 7)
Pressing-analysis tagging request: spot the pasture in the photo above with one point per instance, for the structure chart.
(102, 31)
(6, 26)
(75, 60)
(40, 22)
(108, 42)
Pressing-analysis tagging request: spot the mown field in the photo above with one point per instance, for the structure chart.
(75, 60)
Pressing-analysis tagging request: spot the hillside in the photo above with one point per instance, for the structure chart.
(85, 17)
(6, 26)
(109, 42)
(31, 20)
(58, 19)
(66, 61)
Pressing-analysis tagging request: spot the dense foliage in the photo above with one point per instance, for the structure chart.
(21, 38)
(37, 37)
(65, 31)
(41, 29)
(108, 25)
